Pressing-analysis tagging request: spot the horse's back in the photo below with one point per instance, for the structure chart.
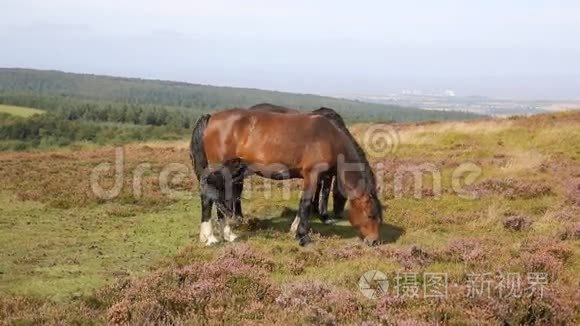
(269, 137)
(273, 108)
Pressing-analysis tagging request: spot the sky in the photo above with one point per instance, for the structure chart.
(506, 49)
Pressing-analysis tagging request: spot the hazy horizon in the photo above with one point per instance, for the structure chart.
(519, 50)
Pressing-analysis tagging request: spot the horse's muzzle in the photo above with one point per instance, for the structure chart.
(372, 242)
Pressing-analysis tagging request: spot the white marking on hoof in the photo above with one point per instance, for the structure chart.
(228, 234)
(211, 240)
(294, 226)
(206, 234)
(329, 221)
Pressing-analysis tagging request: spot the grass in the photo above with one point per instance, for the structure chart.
(48, 252)
(19, 110)
(69, 257)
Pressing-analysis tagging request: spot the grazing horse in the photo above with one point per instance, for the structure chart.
(268, 142)
(320, 198)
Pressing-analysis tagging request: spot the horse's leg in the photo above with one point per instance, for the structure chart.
(232, 191)
(303, 227)
(316, 199)
(235, 205)
(324, 185)
(226, 230)
(338, 199)
(206, 231)
(238, 188)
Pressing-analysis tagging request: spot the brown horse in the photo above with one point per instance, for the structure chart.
(325, 184)
(282, 146)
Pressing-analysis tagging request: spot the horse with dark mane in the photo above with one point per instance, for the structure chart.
(325, 184)
(268, 145)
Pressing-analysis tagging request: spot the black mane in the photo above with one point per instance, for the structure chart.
(339, 122)
(270, 107)
(368, 174)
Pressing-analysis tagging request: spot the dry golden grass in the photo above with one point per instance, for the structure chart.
(62, 179)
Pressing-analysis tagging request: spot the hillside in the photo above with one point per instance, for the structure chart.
(18, 85)
(508, 208)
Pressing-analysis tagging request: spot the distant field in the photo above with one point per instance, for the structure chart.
(67, 257)
(19, 110)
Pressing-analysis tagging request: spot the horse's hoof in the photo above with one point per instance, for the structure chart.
(329, 221)
(206, 234)
(324, 218)
(237, 221)
(211, 240)
(230, 237)
(304, 241)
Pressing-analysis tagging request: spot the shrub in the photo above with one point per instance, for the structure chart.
(221, 289)
(319, 303)
(545, 255)
(413, 257)
(464, 250)
(572, 191)
(571, 232)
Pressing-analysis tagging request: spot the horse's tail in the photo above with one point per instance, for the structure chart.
(196, 150)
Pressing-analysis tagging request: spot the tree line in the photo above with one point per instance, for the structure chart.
(195, 97)
(101, 109)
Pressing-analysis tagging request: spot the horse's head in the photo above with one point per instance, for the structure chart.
(365, 215)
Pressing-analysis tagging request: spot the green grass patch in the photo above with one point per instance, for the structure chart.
(55, 253)
(19, 110)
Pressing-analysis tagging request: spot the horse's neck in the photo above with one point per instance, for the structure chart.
(352, 174)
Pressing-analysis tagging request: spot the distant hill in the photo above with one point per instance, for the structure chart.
(17, 86)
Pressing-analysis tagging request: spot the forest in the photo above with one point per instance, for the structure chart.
(103, 109)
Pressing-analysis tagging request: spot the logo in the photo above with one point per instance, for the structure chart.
(380, 140)
(373, 284)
